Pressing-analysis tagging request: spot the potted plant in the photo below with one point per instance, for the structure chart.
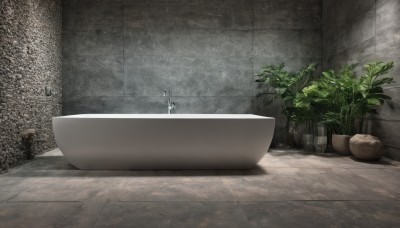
(342, 114)
(309, 103)
(286, 85)
(352, 99)
(370, 95)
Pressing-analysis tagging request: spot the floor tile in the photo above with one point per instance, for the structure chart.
(388, 179)
(305, 184)
(323, 214)
(70, 189)
(55, 214)
(12, 186)
(172, 214)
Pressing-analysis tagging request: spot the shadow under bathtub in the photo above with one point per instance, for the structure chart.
(58, 166)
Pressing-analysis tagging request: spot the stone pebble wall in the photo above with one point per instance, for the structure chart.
(30, 60)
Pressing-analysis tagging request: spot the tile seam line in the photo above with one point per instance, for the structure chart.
(70, 31)
(210, 201)
(254, 90)
(375, 23)
(123, 56)
(7, 175)
(322, 33)
(392, 87)
(383, 120)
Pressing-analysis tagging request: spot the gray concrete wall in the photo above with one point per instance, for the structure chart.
(119, 56)
(30, 59)
(360, 31)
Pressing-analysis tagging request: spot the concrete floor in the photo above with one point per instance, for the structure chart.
(288, 189)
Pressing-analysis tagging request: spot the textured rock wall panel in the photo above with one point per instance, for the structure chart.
(361, 31)
(119, 56)
(30, 59)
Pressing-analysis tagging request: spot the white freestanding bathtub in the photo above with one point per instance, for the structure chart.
(162, 141)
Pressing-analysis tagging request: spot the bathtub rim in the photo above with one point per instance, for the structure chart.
(164, 116)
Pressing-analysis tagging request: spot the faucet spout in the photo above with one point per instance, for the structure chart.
(171, 107)
(170, 103)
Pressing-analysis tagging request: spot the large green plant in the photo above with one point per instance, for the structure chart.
(332, 91)
(343, 98)
(286, 84)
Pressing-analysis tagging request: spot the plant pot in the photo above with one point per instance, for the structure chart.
(308, 142)
(320, 144)
(298, 134)
(366, 147)
(320, 138)
(290, 134)
(341, 144)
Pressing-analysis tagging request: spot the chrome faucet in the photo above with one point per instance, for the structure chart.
(171, 104)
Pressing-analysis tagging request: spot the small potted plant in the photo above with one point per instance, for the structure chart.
(316, 100)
